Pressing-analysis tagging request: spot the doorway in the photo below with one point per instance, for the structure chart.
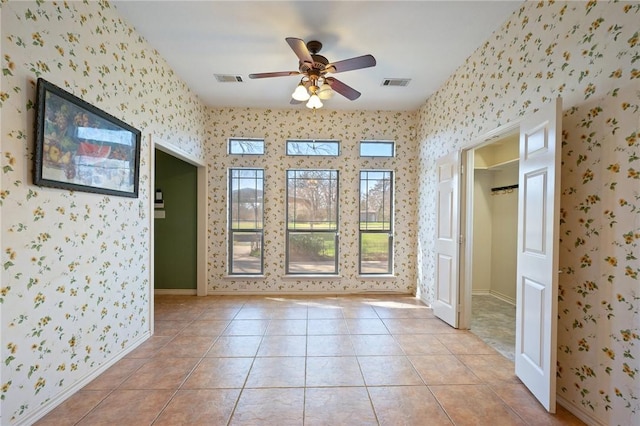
(201, 220)
(538, 217)
(175, 216)
(492, 200)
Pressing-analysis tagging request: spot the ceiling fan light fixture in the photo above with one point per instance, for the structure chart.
(315, 85)
(325, 91)
(314, 102)
(300, 94)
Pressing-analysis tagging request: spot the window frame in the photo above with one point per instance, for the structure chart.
(312, 141)
(231, 140)
(293, 230)
(390, 231)
(392, 143)
(231, 231)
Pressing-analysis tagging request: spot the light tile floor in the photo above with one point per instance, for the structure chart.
(348, 360)
(494, 321)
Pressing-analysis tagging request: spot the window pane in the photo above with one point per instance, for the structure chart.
(246, 198)
(246, 146)
(246, 192)
(313, 147)
(376, 224)
(312, 253)
(312, 207)
(375, 200)
(377, 148)
(246, 253)
(375, 253)
(312, 199)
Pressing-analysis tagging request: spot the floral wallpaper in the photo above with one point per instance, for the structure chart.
(74, 293)
(74, 284)
(276, 126)
(589, 54)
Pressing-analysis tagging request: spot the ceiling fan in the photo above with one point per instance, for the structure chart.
(316, 84)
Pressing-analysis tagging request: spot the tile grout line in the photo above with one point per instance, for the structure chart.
(184, 380)
(204, 355)
(459, 356)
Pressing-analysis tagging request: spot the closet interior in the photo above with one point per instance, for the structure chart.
(495, 225)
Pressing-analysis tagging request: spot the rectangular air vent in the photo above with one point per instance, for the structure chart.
(228, 78)
(399, 82)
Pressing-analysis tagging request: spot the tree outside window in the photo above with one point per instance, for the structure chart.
(312, 221)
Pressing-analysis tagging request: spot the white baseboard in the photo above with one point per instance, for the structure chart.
(71, 390)
(175, 291)
(503, 297)
(495, 294)
(307, 293)
(425, 301)
(578, 412)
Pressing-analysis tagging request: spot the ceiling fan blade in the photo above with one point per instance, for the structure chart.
(357, 63)
(274, 74)
(294, 102)
(299, 47)
(346, 91)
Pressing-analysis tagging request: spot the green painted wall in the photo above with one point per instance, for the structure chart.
(175, 236)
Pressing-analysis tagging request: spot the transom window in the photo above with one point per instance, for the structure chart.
(377, 148)
(312, 222)
(376, 222)
(313, 147)
(240, 146)
(246, 201)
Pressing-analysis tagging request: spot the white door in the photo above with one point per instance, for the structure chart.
(445, 305)
(537, 270)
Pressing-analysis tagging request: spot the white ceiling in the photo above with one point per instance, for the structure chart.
(425, 41)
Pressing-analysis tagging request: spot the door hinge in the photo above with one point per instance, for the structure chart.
(461, 239)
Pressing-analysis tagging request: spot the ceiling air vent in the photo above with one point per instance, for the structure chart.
(398, 82)
(227, 78)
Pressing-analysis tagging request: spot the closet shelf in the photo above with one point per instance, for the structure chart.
(498, 166)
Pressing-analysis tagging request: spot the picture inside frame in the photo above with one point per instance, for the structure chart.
(80, 147)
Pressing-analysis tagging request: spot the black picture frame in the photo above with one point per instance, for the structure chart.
(82, 148)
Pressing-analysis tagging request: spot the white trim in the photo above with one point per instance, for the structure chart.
(152, 216)
(466, 219)
(578, 411)
(61, 397)
(503, 297)
(310, 293)
(466, 231)
(201, 261)
(423, 298)
(496, 294)
(493, 135)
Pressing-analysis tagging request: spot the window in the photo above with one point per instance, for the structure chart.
(377, 148)
(246, 146)
(246, 191)
(313, 147)
(312, 222)
(376, 222)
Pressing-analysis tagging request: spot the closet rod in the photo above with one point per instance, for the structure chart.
(504, 188)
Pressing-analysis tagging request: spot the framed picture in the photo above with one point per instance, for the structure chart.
(82, 148)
